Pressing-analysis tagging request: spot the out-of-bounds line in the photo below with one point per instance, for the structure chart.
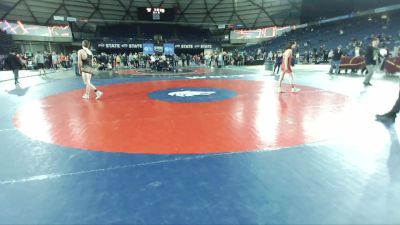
(28, 76)
(7, 130)
(54, 176)
(245, 69)
(60, 175)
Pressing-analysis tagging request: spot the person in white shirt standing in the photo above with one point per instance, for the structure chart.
(74, 59)
(55, 61)
(39, 60)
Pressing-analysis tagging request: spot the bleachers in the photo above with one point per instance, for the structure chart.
(342, 33)
(147, 32)
(6, 43)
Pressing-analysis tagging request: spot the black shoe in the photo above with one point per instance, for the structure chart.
(367, 84)
(385, 118)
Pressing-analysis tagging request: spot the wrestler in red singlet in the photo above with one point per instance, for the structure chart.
(287, 67)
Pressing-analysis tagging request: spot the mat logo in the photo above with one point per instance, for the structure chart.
(193, 94)
(190, 93)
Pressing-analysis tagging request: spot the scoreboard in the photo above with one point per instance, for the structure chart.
(156, 14)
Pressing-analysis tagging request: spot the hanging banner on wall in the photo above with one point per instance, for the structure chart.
(169, 49)
(159, 49)
(242, 35)
(148, 48)
(193, 46)
(20, 29)
(119, 46)
(170, 46)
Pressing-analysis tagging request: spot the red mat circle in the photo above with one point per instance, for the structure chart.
(127, 120)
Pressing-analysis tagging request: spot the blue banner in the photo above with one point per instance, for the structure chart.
(169, 49)
(148, 48)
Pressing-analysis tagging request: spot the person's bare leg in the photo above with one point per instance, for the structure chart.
(294, 89)
(91, 86)
(87, 87)
(282, 76)
(291, 80)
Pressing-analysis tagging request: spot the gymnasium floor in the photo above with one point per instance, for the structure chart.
(206, 146)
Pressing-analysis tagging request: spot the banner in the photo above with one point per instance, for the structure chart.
(193, 46)
(118, 46)
(20, 29)
(169, 49)
(159, 49)
(148, 48)
(263, 33)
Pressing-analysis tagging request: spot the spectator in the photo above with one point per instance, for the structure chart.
(39, 61)
(278, 63)
(335, 64)
(55, 60)
(12, 62)
(371, 58)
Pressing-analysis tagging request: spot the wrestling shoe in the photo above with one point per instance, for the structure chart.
(98, 95)
(295, 90)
